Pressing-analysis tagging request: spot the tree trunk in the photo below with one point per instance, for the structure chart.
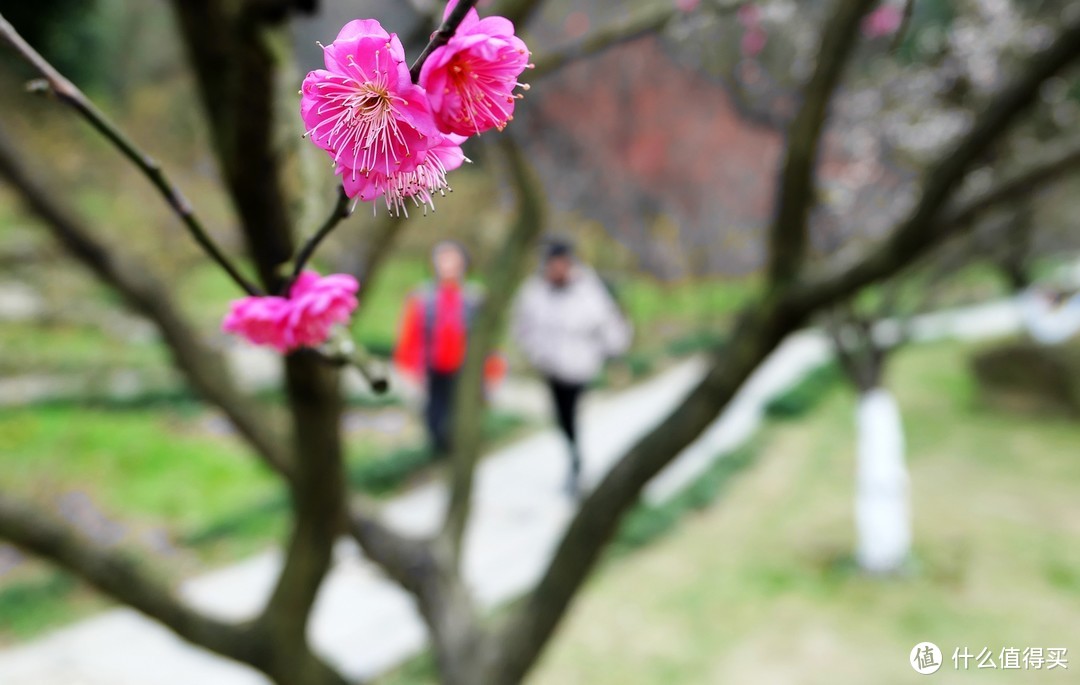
(882, 499)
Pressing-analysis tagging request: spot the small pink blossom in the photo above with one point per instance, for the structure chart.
(470, 80)
(687, 5)
(753, 41)
(260, 320)
(317, 303)
(363, 108)
(883, 21)
(420, 184)
(304, 319)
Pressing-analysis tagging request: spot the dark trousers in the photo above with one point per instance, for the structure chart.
(565, 397)
(440, 398)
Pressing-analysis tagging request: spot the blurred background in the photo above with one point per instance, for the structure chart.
(659, 157)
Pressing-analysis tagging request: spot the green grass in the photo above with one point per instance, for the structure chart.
(130, 462)
(760, 587)
(71, 349)
(161, 469)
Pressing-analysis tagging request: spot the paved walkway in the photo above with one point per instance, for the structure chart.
(363, 623)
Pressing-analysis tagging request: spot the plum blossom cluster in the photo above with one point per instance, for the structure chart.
(305, 318)
(394, 139)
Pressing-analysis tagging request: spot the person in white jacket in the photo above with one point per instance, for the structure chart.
(567, 325)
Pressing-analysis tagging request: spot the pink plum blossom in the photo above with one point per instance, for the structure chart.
(470, 80)
(753, 41)
(420, 184)
(363, 108)
(687, 5)
(317, 303)
(304, 319)
(883, 21)
(260, 320)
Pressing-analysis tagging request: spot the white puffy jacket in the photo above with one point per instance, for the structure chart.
(569, 332)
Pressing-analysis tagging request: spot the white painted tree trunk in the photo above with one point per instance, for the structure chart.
(1047, 323)
(882, 499)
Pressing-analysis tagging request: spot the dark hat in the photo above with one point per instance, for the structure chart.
(558, 247)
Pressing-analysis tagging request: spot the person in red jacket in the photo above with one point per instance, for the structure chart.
(434, 337)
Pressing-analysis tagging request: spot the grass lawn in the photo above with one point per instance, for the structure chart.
(759, 587)
(167, 483)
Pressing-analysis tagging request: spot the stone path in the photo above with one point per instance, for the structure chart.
(363, 623)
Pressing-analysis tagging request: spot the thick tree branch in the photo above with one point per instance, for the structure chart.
(69, 94)
(317, 497)
(795, 191)
(119, 576)
(202, 366)
(507, 270)
(237, 70)
(518, 643)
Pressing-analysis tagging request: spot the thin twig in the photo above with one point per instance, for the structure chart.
(442, 36)
(905, 22)
(70, 94)
(641, 24)
(359, 358)
(340, 212)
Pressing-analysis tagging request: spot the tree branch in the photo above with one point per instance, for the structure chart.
(339, 213)
(236, 69)
(925, 227)
(643, 23)
(795, 191)
(119, 576)
(69, 94)
(317, 493)
(442, 35)
(507, 270)
(201, 365)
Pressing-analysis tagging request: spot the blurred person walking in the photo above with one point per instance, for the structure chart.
(433, 339)
(567, 325)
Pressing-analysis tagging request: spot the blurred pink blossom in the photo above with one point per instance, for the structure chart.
(364, 108)
(304, 319)
(470, 80)
(883, 21)
(260, 320)
(748, 15)
(687, 5)
(753, 41)
(317, 303)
